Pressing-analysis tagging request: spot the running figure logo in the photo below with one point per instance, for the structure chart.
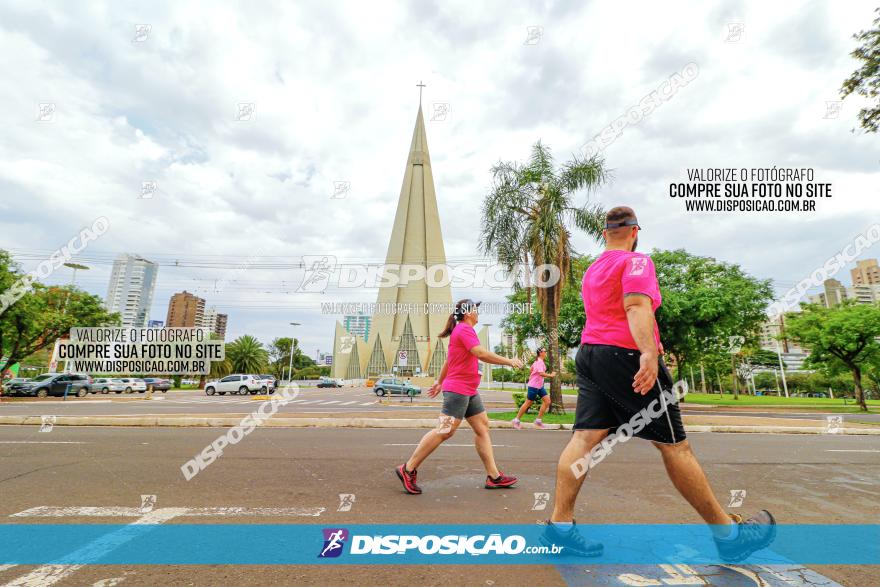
(346, 500)
(833, 424)
(541, 501)
(318, 268)
(148, 502)
(638, 265)
(737, 497)
(47, 423)
(334, 540)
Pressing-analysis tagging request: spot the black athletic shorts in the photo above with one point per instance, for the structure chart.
(606, 398)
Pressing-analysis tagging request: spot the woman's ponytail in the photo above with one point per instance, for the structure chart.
(450, 326)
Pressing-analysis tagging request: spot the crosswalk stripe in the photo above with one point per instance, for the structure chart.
(336, 401)
(348, 403)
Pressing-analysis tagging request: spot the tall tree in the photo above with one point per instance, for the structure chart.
(844, 337)
(43, 314)
(865, 80)
(526, 222)
(247, 355)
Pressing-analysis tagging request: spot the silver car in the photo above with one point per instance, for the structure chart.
(131, 385)
(106, 385)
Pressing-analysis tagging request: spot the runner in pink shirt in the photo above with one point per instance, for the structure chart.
(459, 379)
(535, 390)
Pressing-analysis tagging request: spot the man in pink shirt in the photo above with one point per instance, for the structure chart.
(625, 390)
(535, 390)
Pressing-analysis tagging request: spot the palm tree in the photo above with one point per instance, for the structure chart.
(526, 219)
(247, 355)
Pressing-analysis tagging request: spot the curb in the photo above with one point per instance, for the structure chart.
(223, 421)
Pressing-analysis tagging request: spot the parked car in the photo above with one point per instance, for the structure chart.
(327, 382)
(106, 385)
(395, 386)
(55, 384)
(9, 383)
(133, 384)
(238, 383)
(270, 382)
(158, 384)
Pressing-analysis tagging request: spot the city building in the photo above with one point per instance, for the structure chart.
(357, 324)
(769, 340)
(131, 289)
(864, 294)
(402, 342)
(867, 272)
(219, 327)
(155, 324)
(185, 310)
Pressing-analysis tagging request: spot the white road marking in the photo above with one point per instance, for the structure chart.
(4, 567)
(130, 512)
(41, 442)
(336, 401)
(368, 404)
(50, 574)
(348, 403)
(851, 450)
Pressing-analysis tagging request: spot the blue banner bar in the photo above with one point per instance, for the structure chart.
(295, 544)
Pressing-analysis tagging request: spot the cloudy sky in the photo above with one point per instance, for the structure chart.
(151, 93)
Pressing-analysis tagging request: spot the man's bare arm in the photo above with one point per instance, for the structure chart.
(640, 315)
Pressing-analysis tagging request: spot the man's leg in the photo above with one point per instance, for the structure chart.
(432, 439)
(568, 485)
(688, 477)
(483, 443)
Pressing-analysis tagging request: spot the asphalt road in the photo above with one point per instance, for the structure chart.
(277, 474)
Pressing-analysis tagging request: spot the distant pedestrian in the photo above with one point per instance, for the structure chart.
(535, 390)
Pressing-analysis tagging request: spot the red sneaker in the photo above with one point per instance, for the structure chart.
(500, 482)
(408, 478)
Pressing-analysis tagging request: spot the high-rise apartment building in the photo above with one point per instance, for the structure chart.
(132, 285)
(867, 272)
(358, 324)
(185, 310)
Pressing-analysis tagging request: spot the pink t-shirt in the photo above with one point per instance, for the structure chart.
(536, 380)
(606, 281)
(462, 370)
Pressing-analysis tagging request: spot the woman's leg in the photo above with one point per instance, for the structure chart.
(545, 404)
(446, 427)
(523, 409)
(480, 425)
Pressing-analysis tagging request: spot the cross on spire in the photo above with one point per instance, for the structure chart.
(420, 85)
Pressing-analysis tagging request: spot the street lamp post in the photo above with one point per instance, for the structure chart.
(75, 266)
(290, 362)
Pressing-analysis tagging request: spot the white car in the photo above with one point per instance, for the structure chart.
(238, 383)
(106, 385)
(132, 385)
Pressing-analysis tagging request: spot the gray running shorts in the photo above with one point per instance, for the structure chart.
(461, 406)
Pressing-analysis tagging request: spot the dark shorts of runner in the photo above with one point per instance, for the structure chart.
(535, 393)
(606, 398)
(461, 406)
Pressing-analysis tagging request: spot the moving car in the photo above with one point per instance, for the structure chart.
(395, 386)
(238, 383)
(158, 383)
(55, 384)
(133, 384)
(327, 382)
(106, 385)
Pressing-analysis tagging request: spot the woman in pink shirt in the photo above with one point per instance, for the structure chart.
(536, 391)
(459, 379)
